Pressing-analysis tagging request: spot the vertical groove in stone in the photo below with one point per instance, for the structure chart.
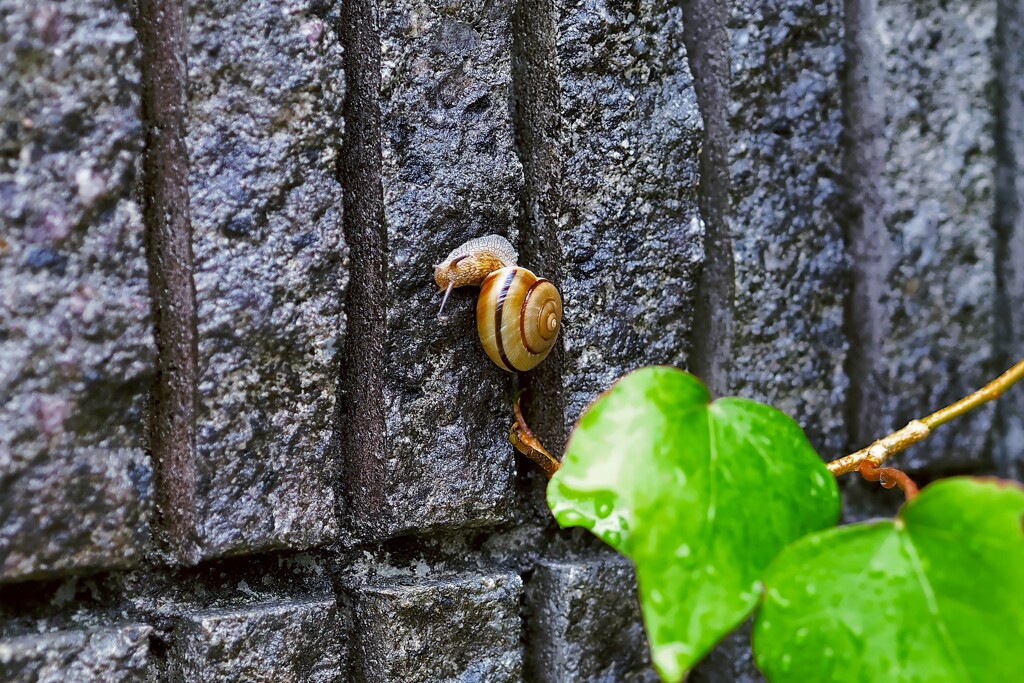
(707, 46)
(867, 239)
(360, 429)
(1009, 230)
(161, 29)
(538, 127)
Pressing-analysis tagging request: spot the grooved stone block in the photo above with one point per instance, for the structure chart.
(939, 206)
(610, 129)
(462, 629)
(73, 510)
(101, 655)
(294, 641)
(631, 240)
(584, 624)
(450, 173)
(785, 119)
(1010, 223)
(264, 132)
(76, 348)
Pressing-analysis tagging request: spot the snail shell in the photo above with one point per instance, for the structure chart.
(518, 314)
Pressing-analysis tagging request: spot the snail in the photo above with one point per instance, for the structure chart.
(518, 314)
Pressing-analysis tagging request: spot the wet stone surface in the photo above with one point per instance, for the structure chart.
(584, 624)
(111, 654)
(732, 660)
(450, 174)
(940, 201)
(630, 235)
(1010, 222)
(266, 86)
(464, 628)
(76, 348)
(81, 509)
(785, 163)
(280, 641)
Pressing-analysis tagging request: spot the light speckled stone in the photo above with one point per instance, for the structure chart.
(784, 165)
(101, 655)
(631, 240)
(289, 641)
(462, 629)
(266, 86)
(939, 207)
(76, 348)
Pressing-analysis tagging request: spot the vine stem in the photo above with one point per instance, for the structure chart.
(889, 477)
(919, 430)
(527, 443)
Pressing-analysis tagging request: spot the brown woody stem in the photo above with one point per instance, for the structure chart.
(919, 430)
(527, 443)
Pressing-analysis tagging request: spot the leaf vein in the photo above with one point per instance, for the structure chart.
(933, 605)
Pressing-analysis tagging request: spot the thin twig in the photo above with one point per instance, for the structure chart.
(919, 430)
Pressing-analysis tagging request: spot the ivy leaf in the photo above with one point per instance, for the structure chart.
(700, 495)
(933, 595)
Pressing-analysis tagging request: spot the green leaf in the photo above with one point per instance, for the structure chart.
(701, 496)
(934, 595)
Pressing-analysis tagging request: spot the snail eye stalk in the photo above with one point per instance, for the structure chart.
(448, 291)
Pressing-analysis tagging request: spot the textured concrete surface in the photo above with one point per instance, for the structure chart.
(264, 129)
(465, 628)
(449, 173)
(100, 655)
(78, 509)
(939, 209)
(610, 132)
(584, 624)
(575, 129)
(76, 347)
(285, 641)
(784, 112)
(630, 236)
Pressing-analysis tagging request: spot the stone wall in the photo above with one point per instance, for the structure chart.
(236, 442)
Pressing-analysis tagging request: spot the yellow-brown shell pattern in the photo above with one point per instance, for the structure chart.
(518, 316)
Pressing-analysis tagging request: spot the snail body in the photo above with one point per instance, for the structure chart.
(518, 314)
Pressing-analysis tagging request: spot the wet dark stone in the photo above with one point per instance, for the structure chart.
(74, 300)
(583, 623)
(464, 628)
(114, 654)
(450, 173)
(939, 206)
(285, 641)
(266, 86)
(784, 112)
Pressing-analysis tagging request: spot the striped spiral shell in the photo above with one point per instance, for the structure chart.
(518, 316)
